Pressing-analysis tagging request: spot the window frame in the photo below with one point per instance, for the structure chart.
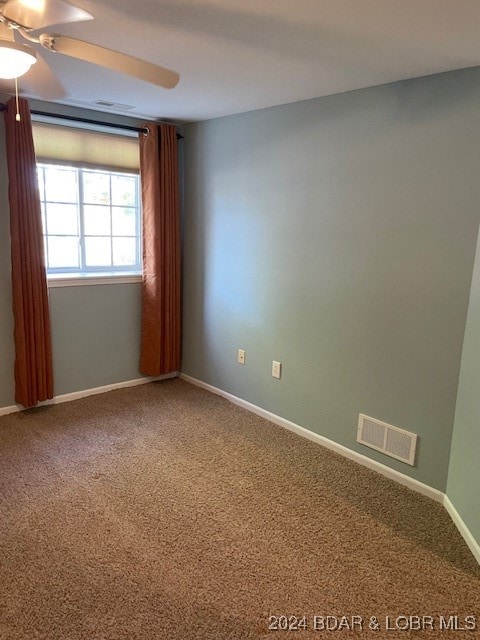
(106, 274)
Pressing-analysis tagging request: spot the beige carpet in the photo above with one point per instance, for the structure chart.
(165, 512)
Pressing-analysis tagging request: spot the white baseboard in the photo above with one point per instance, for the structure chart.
(411, 483)
(84, 393)
(465, 532)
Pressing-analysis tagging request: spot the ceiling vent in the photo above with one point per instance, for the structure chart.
(114, 105)
(392, 441)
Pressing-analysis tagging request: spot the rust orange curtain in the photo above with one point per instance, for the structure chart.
(33, 354)
(161, 317)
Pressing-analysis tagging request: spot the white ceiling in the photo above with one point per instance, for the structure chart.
(239, 55)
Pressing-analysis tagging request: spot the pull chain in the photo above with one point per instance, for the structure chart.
(17, 116)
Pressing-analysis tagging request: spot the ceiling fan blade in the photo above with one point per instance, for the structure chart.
(6, 33)
(111, 60)
(38, 14)
(42, 82)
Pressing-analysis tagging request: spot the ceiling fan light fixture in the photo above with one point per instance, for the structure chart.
(15, 59)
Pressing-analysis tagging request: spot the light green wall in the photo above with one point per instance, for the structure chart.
(95, 335)
(95, 329)
(337, 235)
(463, 487)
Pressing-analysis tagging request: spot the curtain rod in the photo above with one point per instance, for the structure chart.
(112, 125)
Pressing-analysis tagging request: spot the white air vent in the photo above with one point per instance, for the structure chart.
(391, 441)
(114, 105)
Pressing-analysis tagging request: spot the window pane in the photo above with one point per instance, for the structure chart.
(62, 219)
(62, 252)
(42, 206)
(98, 252)
(40, 183)
(123, 190)
(90, 218)
(60, 185)
(96, 220)
(124, 221)
(96, 187)
(124, 251)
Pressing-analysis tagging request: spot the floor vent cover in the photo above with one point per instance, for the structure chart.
(392, 441)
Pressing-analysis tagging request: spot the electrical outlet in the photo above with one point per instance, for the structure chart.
(241, 356)
(276, 369)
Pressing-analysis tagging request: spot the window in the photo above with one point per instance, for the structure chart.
(91, 220)
(90, 197)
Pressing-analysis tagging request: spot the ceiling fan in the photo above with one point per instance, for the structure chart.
(21, 20)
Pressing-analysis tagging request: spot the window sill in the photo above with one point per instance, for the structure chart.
(81, 280)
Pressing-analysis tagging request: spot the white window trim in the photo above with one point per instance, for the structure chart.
(81, 280)
(67, 278)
